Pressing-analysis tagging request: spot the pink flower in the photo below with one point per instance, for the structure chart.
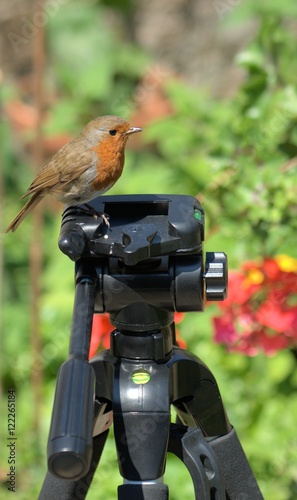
(260, 313)
(225, 332)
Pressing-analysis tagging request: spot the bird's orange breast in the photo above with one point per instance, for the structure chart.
(110, 163)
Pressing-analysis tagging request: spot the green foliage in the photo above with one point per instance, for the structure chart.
(237, 155)
(96, 73)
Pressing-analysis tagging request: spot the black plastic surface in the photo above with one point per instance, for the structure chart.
(143, 492)
(64, 489)
(238, 476)
(141, 227)
(70, 439)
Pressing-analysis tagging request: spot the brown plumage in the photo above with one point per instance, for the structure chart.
(84, 168)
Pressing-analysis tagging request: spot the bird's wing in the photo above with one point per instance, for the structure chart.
(64, 167)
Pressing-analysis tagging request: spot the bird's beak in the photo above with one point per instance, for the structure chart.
(133, 130)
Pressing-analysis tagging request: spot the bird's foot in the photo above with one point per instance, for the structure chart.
(97, 214)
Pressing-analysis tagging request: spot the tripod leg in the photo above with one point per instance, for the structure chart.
(190, 446)
(199, 404)
(238, 476)
(62, 489)
(196, 395)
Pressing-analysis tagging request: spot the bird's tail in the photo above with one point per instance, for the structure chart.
(34, 200)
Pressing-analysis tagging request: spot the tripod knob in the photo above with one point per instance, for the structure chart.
(216, 276)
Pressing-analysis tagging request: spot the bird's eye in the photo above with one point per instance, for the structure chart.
(112, 132)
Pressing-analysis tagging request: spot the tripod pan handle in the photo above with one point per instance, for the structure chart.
(70, 439)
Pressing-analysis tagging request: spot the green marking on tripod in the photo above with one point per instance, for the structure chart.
(141, 377)
(197, 215)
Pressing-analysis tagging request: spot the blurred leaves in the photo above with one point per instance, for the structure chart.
(235, 154)
(95, 72)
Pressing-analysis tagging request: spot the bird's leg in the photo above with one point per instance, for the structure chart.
(95, 214)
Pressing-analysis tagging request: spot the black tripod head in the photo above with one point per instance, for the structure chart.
(150, 261)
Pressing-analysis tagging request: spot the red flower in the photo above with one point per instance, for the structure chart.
(178, 317)
(101, 330)
(260, 312)
(271, 315)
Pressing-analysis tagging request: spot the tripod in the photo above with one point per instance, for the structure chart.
(147, 265)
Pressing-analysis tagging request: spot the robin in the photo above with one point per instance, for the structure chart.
(84, 168)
